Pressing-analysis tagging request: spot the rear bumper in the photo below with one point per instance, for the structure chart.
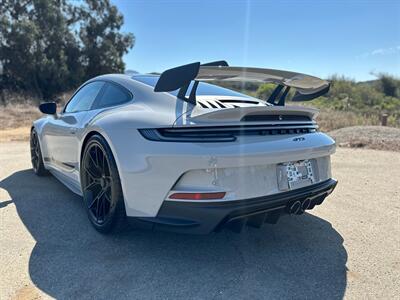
(150, 171)
(206, 217)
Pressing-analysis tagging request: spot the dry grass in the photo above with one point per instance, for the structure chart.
(329, 120)
(15, 134)
(18, 115)
(20, 112)
(16, 118)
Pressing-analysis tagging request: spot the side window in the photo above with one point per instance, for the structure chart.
(113, 95)
(84, 98)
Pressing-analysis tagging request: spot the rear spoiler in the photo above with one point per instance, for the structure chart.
(307, 87)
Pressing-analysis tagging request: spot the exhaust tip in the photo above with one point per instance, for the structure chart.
(306, 204)
(295, 208)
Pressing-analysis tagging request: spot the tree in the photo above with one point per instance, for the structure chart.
(103, 44)
(390, 86)
(50, 46)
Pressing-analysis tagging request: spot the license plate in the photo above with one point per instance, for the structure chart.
(292, 175)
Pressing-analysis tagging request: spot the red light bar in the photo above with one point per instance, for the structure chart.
(198, 196)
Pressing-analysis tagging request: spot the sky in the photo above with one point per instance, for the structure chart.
(321, 38)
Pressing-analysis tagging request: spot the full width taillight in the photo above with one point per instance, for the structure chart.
(197, 196)
(215, 134)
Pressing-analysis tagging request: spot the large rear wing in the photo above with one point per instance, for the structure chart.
(307, 87)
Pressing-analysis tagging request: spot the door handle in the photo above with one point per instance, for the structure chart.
(73, 130)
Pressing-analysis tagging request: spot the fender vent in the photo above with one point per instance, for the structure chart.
(211, 104)
(227, 103)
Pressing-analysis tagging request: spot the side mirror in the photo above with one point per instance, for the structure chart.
(49, 108)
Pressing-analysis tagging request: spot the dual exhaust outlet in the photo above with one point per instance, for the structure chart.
(298, 207)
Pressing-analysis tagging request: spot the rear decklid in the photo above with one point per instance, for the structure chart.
(251, 115)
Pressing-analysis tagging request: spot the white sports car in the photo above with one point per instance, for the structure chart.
(175, 153)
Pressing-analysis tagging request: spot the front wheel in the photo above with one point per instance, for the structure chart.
(101, 187)
(36, 155)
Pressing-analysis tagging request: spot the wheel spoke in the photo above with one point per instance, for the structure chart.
(107, 198)
(96, 199)
(92, 184)
(93, 160)
(100, 209)
(91, 174)
(102, 162)
(96, 151)
(95, 167)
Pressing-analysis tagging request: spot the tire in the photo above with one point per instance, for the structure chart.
(101, 187)
(36, 155)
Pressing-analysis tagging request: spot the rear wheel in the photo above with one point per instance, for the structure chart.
(101, 187)
(36, 155)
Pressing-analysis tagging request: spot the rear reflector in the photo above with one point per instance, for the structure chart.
(197, 196)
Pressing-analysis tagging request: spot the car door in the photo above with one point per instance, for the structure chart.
(62, 132)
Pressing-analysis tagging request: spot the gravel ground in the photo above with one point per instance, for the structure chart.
(348, 247)
(372, 137)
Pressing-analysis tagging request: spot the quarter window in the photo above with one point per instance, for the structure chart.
(84, 98)
(113, 95)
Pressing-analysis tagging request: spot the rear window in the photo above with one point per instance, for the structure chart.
(202, 89)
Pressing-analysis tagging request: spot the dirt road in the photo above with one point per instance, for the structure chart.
(348, 247)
